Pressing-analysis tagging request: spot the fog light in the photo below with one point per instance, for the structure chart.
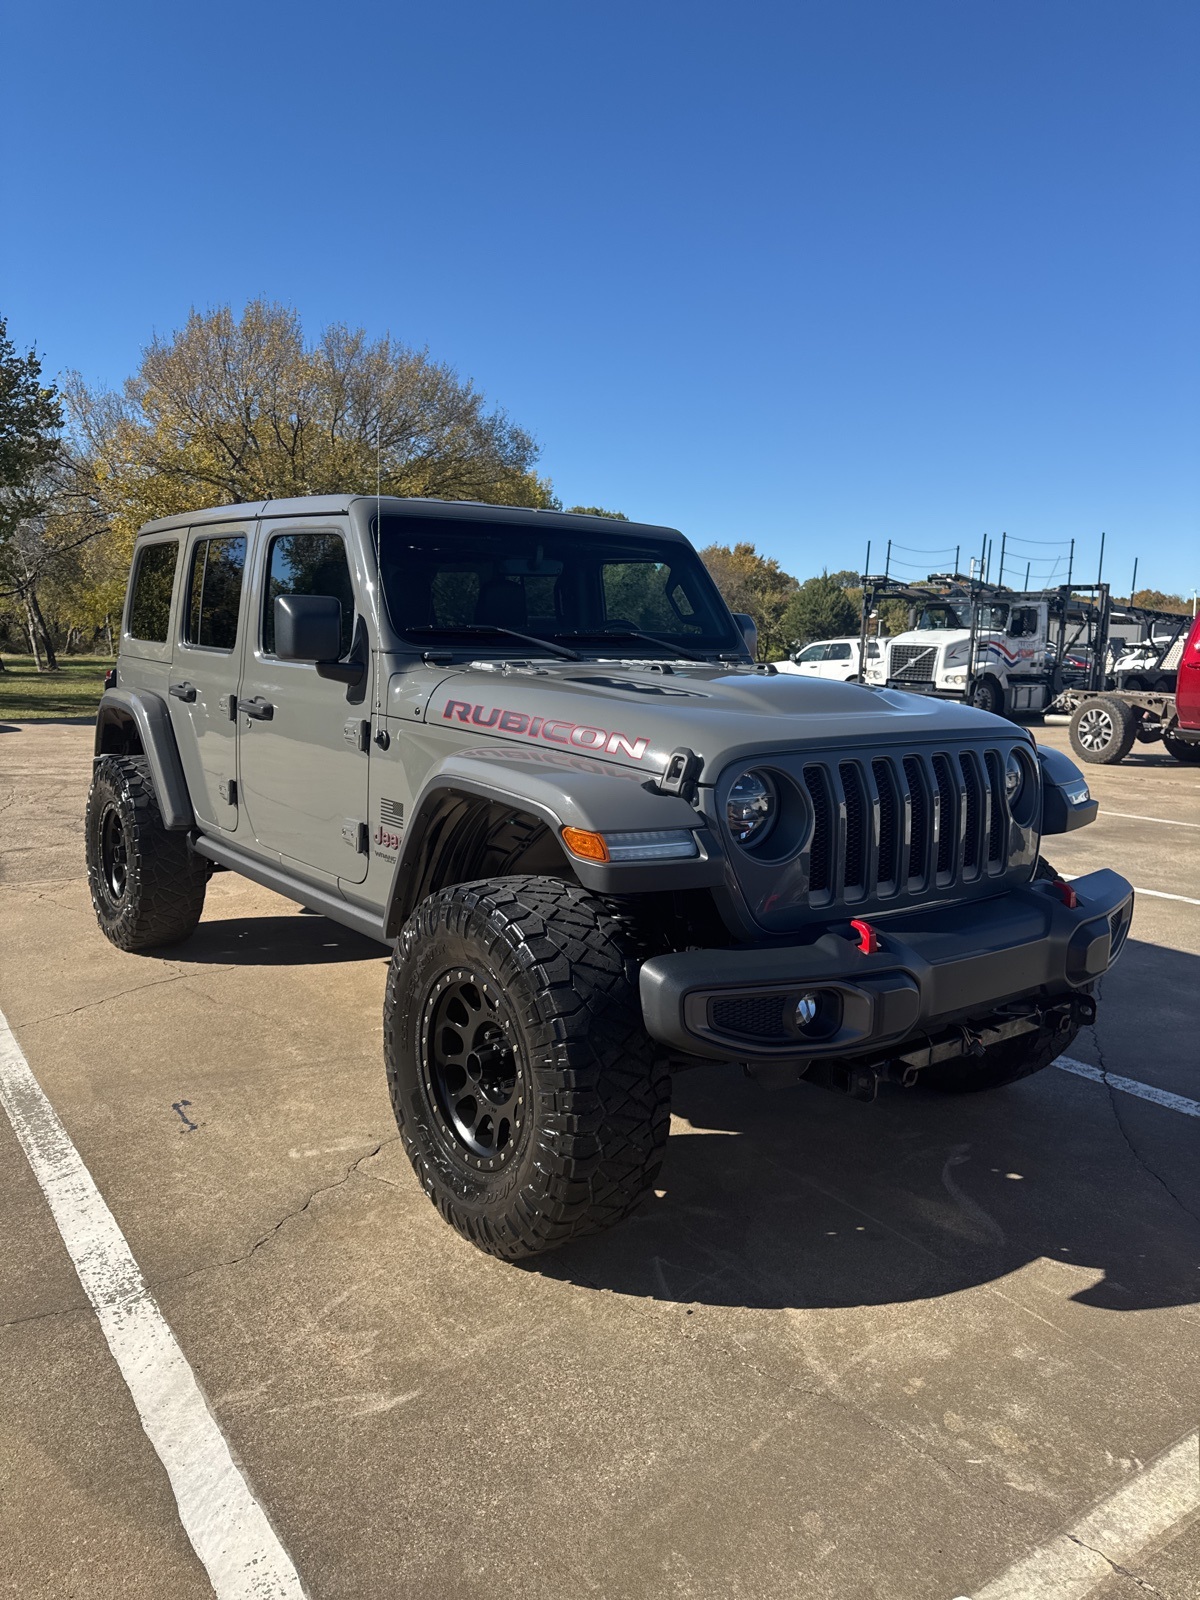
(808, 1008)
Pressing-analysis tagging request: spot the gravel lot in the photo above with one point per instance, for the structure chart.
(879, 1351)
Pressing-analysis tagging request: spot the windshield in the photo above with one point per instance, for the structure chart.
(458, 581)
(939, 617)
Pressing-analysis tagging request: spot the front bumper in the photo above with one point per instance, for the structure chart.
(932, 968)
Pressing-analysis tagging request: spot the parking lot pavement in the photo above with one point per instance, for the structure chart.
(878, 1351)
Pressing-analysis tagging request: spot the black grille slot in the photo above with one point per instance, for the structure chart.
(947, 807)
(973, 814)
(999, 818)
(821, 849)
(757, 1016)
(856, 829)
(889, 823)
(919, 841)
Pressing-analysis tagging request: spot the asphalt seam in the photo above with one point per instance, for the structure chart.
(1116, 1566)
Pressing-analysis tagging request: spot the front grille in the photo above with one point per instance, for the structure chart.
(902, 825)
(755, 1017)
(912, 663)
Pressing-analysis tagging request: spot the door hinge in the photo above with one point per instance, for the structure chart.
(355, 835)
(227, 788)
(357, 732)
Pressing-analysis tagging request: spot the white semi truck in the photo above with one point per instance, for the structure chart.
(995, 653)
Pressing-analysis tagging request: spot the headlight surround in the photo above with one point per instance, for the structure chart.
(751, 807)
(1014, 778)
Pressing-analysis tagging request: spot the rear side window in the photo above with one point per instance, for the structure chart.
(215, 592)
(150, 603)
(308, 563)
(838, 652)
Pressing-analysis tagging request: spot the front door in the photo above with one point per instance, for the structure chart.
(303, 739)
(204, 672)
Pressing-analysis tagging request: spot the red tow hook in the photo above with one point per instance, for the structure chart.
(1066, 894)
(868, 939)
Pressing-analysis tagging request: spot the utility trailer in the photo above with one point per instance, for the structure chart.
(1106, 725)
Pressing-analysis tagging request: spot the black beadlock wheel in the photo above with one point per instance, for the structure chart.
(1103, 730)
(532, 1104)
(147, 887)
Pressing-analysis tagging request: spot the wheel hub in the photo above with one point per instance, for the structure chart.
(472, 1070)
(114, 853)
(1095, 729)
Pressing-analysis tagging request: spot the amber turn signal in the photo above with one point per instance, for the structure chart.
(587, 846)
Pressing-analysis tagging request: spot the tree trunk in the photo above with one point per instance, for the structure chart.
(108, 633)
(32, 633)
(38, 621)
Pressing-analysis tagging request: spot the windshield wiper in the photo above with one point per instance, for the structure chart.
(494, 631)
(634, 633)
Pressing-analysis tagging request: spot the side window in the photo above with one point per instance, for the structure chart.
(838, 652)
(814, 652)
(215, 592)
(308, 563)
(150, 605)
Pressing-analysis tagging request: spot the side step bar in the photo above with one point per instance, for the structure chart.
(368, 923)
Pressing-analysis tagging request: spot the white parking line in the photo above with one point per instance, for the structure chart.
(1133, 816)
(228, 1528)
(1155, 894)
(1150, 1506)
(1143, 1091)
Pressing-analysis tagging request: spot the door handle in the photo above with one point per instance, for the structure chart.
(261, 710)
(183, 691)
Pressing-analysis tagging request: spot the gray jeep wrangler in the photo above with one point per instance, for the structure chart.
(531, 752)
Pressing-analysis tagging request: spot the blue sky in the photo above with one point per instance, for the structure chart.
(805, 274)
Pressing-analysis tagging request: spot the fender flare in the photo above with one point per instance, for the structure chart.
(152, 719)
(594, 795)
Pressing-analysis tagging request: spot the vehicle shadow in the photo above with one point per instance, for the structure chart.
(803, 1198)
(295, 940)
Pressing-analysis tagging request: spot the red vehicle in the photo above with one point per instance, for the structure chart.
(1105, 726)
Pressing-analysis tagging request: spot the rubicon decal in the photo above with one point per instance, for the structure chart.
(578, 735)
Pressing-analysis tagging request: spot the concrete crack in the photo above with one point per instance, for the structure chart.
(1121, 1571)
(326, 1188)
(1115, 1104)
(45, 1316)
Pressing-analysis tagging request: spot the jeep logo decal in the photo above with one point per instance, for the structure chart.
(575, 734)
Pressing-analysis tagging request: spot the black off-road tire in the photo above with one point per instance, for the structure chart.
(1006, 1062)
(1103, 730)
(1182, 749)
(147, 886)
(538, 972)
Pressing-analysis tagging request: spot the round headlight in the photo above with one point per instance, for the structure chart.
(751, 807)
(1014, 778)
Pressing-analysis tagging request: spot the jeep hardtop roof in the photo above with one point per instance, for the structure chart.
(326, 505)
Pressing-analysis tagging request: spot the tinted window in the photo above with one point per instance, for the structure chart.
(554, 583)
(838, 652)
(815, 652)
(150, 607)
(308, 563)
(214, 592)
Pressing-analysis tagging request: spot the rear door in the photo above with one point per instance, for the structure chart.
(203, 685)
(303, 740)
(839, 661)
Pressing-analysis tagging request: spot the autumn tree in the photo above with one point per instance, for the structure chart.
(755, 584)
(238, 409)
(599, 511)
(1156, 600)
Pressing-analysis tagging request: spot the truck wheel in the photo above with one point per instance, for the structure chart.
(987, 695)
(532, 1103)
(1182, 749)
(147, 887)
(999, 1064)
(1103, 731)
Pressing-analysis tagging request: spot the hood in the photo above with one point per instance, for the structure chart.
(636, 715)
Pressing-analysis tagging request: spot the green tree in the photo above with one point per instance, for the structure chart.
(754, 584)
(30, 423)
(599, 511)
(820, 609)
(233, 409)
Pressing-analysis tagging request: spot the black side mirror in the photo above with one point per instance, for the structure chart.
(308, 627)
(749, 630)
